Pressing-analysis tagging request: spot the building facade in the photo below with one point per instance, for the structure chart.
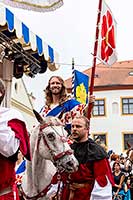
(112, 115)
(21, 100)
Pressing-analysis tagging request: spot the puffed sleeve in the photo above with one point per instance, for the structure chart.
(19, 128)
(9, 144)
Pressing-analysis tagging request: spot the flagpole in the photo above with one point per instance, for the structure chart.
(90, 106)
(73, 77)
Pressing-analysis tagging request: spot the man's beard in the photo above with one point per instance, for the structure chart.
(57, 92)
(76, 137)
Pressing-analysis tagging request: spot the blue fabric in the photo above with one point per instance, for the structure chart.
(81, 80)
(51, 53)
(67, 106)
(14, 29)
(124, 195)
(22, 167)
(25, 32)
(39, 45)
(10, 19)
(127, 195)
(64, 109)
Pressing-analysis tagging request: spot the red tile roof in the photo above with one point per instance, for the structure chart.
(116, 76)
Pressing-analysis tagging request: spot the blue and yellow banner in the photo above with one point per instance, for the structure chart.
(81, 85)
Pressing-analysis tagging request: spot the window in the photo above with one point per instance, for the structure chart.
(115, 108)
(127, 106)
(128, 138)
(99, 108)
(100, 138)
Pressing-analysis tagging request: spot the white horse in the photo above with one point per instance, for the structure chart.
(50, 152)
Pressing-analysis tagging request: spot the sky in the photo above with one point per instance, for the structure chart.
(70, 30)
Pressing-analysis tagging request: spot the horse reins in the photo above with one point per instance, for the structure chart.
(40, 194)
(54, 157)
(63, 139)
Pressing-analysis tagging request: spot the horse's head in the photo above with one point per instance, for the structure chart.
(129, 160)
(52, 144)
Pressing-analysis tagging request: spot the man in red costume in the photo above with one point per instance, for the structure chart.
(93, 180)
(13, 136)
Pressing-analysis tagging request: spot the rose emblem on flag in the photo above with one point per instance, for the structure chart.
(108, 36)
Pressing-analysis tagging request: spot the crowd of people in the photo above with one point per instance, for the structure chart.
(99, 176)
(122, 188)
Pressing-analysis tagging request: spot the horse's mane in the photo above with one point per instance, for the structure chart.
(52, 121)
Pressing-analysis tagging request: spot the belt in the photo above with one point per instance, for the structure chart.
(5, 191)
(74, 186)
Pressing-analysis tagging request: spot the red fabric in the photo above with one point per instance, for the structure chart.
(83, 175)
(7, 167)
(7, 172)
(12, 195)
(101, 170)
(21, 133)
(87, 173)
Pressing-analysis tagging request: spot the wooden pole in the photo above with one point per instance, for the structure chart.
(94, 58)
(6, 74)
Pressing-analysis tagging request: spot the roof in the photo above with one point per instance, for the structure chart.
(116, 76)
(16, 36)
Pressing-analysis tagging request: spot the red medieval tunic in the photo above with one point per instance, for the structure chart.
(93, 167)
(7, 163)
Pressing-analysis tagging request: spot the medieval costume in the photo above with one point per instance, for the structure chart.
(94, 179)
(13, 136)
(20, 170)
(66, 111)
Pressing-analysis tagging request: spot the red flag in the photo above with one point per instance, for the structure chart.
(107, 36)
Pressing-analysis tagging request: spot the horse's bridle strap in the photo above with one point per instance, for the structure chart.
(55, 157)
(40, 194)
(60, 155)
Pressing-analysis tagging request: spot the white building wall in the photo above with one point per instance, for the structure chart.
(21, 101)
(114, 123)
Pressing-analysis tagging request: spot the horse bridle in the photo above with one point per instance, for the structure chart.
(55, 158)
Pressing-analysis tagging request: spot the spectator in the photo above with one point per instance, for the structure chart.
(114, 157)
(120, 187)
